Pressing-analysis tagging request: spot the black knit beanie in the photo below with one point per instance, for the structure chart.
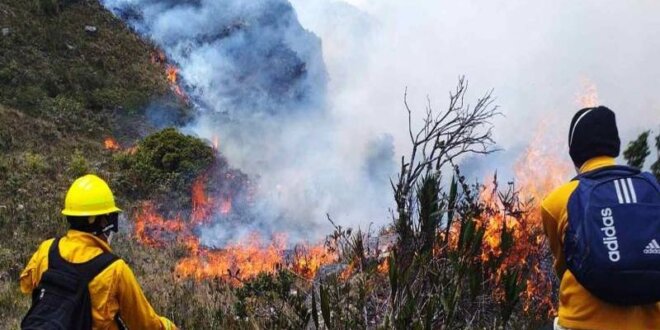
(593, 133)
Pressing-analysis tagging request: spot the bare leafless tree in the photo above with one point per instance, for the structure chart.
(460, 129)
(421, 283)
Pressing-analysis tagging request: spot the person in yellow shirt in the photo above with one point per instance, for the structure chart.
(593, 144)
(116, 299)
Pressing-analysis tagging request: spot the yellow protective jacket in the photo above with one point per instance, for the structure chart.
(114, 290)
(578, 309)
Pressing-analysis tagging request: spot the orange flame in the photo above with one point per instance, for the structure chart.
(589, 96)
(201, 203)
(111, 144)
(248, 258)
(537, 173)
(540, 170)
(151, 227)
(308, 259)
(235, 262)
(384, 266)
(172, 74)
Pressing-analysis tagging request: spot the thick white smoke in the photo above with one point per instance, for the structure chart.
(259, 83)
(537, 55)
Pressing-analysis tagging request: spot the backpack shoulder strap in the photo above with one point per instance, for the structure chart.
(91, 268)
(88, 269)
(55, 260)
(614, 170)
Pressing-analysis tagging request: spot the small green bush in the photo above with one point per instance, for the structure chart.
(65, 105)
(164, 163)
(35, 163)
(78, 166)
(29, 98)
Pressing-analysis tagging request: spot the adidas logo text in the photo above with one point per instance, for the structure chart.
(652, 248)
(609, 231)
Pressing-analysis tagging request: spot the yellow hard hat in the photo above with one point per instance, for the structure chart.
(89, 196)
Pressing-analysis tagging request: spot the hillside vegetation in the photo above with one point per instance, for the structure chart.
(62, 91)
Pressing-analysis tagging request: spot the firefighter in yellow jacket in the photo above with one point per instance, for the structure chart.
(92, 215)
(593, 144)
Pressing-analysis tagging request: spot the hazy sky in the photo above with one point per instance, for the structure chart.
(537, 55)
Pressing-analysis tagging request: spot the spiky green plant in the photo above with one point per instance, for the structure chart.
(655, 168)
(637, 151)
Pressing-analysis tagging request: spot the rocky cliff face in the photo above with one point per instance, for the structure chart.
(238, 58)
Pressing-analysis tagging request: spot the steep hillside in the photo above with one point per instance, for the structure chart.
(79, 56)
(70, 75)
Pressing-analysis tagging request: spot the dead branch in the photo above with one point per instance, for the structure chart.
(444, 136)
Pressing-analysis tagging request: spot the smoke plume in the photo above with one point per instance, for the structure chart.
(259, 84)
(540, 57)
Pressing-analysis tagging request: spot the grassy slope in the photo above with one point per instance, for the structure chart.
(45, 56)
(62, 91)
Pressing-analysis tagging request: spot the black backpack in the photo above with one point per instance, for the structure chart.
(62, 301)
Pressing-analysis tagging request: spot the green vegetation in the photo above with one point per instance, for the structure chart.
(655, 168)
(638, 150)
(62, 90)
(51, 67)
(163, 164)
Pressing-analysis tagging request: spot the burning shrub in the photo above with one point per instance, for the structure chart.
(166, 164)
(467, 252)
